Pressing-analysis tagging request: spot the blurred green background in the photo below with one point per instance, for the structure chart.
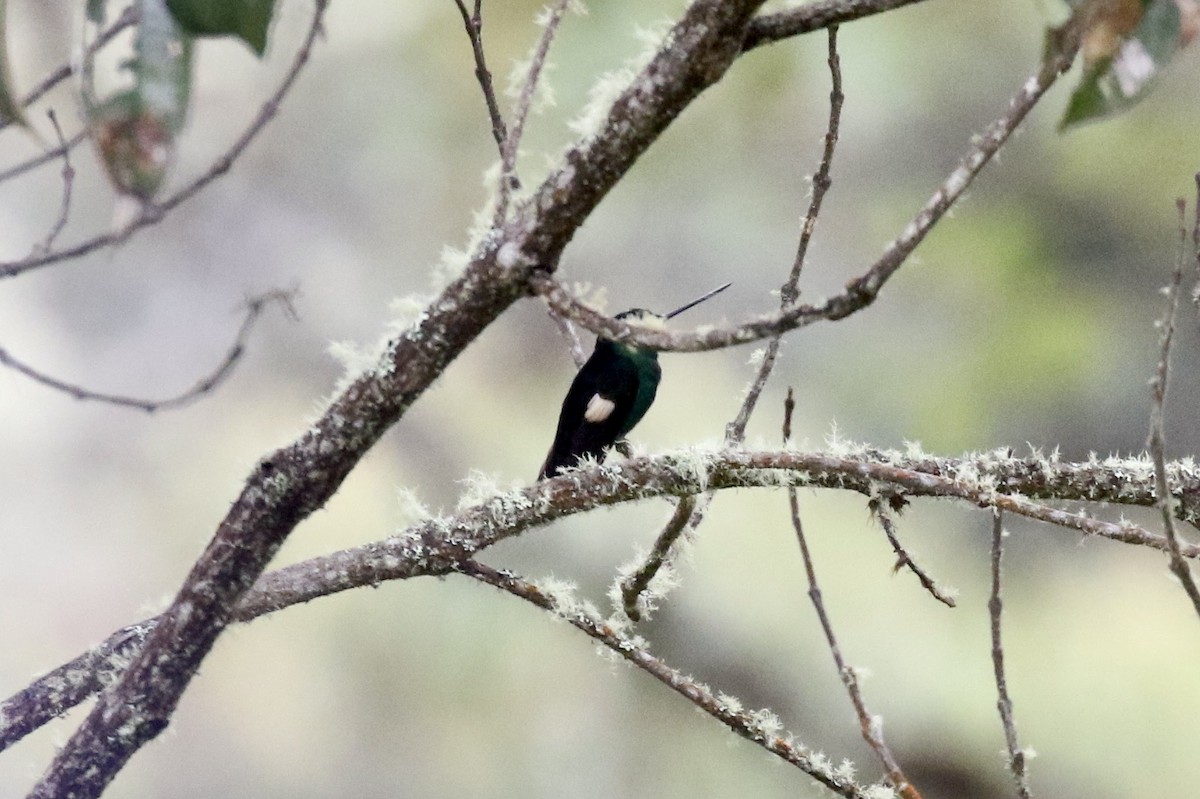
(1026, 319)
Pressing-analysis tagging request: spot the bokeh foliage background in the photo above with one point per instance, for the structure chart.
(1026, 320)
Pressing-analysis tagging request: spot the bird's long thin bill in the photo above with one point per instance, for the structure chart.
(695, 302)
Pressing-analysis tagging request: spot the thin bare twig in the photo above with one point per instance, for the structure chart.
(44, 158)
(512, 142)
(871, 726)
(154, 212)
(735, 432)
(760, 727)
(254, 309)
(1016, 755)
(68, 180)
(883, 513)
(1158, 393)
(578, 353)
(127, 18)
(473, 22)
(633, 586)
(809, 17)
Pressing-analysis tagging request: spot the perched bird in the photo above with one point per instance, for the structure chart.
(611, 393)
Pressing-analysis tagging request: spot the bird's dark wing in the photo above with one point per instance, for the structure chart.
(614, 381)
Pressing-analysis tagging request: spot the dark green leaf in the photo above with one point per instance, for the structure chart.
(249, 20)
(162, 64)
(135, 130)
(95, 11)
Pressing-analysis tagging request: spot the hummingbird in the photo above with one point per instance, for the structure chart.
(610, 394)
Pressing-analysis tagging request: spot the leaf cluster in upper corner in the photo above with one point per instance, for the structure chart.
(1124, 45)
(135, 129)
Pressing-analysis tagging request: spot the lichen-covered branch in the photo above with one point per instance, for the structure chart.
(289, 484)
(434, 546)
(760, 727)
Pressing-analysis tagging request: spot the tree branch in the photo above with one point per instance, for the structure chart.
(880, 509)
(291, 483)
(512, 142)
(434, 546)
(760, 727)
(789, 292)
(473, 22)
(636, 583)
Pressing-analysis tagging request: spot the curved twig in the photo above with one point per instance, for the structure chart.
(254, 309)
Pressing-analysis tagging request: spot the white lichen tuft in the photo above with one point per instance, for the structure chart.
(652, 37)
(562, 595)
(478, 487)
(543, 93)
(412, 510)
(407, 311)
(821, 762)
(765, 724)
(451, 263)
(879, 792)
(355, 359)
(664, 581)
(590, 121)
(730, 703)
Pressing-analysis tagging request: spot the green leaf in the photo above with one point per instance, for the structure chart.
(162, 64)
(135, 130)
(248, 20)
(10, 104)
(95, 11)
(135, 146)
(1116, 82)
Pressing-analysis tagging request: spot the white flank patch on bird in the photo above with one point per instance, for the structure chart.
(598, 409)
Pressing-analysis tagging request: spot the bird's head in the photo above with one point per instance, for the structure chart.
(655, 321)
(643, 317)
